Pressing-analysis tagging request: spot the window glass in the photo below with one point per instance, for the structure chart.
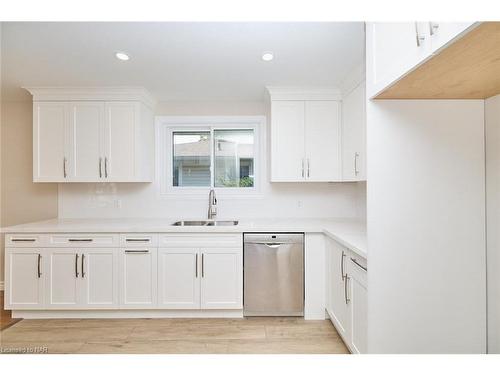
(234, 158)
(191, 158)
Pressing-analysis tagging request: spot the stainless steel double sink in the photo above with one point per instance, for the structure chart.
(205, 223)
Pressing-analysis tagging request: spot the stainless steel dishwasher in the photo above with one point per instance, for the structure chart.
(273, 274)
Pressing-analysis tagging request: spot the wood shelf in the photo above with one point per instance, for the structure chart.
(467, 69)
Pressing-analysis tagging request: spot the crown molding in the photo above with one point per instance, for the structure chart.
(47, 93)
(303, 93)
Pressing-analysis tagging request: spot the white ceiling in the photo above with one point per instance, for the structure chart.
(180, 61)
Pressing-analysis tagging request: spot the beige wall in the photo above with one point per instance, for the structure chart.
(21, 200)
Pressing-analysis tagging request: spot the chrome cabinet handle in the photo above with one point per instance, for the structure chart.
(433, 27)
(356, 155)
(38, 268)
(137, 240)
(64, 167)
(196, 266)
(347, 300)
(83, 262)
(202, 265)
(23, 240)
(420, 38)
(76, 265)
(106, 167)
(136, 251)
(303, 168)
(80, 240)
(100, 167)
(359, 265)
(308, 168)
(342, 265)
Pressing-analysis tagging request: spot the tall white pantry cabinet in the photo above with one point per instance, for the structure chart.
(425, 203)
(99, 135)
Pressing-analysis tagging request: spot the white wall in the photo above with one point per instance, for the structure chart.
(426, 226)
(277, 200)
(492, 128)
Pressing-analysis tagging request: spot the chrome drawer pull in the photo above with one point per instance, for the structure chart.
(137, 240)
(136, 251)
(80, 240)
(23, 240)
(359, 265)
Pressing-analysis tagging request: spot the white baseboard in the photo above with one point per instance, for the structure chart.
(124, 314)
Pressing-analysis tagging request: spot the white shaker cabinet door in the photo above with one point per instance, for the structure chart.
(358, 307)
(121, 129)
(222, 279)
(86, 127)
(354, 135)
(63, 278)
(338, 302)
(393, 49)
(138, 278)
(25, 276)
(178, 278)
(322, 140)
(287, 141)
(50, 142)
(99, 278)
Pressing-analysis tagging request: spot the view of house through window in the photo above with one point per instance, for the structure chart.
(230, 151)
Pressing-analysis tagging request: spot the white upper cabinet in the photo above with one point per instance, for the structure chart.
(322, 139)
(305, 135)
(92, 136)
(395, 48)
(85, 127)
(354, 135)
(287, 141)
(50, 141)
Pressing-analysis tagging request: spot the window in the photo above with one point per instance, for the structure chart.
(219, 152)
(234, 154)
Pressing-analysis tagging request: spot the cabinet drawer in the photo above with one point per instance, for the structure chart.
(83, 240)
(25, 240)
(357, 267)
(138, 239)
(196, 240)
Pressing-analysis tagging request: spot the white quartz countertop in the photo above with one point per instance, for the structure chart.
(351, 233)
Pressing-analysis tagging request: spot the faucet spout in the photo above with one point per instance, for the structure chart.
(212, 205)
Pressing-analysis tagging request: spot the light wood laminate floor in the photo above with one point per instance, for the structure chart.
(195, 336)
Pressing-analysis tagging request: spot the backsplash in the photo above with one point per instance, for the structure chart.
(126, 200)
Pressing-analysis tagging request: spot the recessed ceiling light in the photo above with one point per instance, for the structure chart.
(122, 56)
(267, 56)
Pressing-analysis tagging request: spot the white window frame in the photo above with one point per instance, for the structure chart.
(167, 125)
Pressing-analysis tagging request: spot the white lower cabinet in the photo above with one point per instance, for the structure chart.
(24, 279)
(221, 279)
(138, 278)
(337, 307)
(82, 279)
(74, 272)
(191, 278)
(63, 278)
(99, 278)
(178, 278)
(358, 307)
(346, 301)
